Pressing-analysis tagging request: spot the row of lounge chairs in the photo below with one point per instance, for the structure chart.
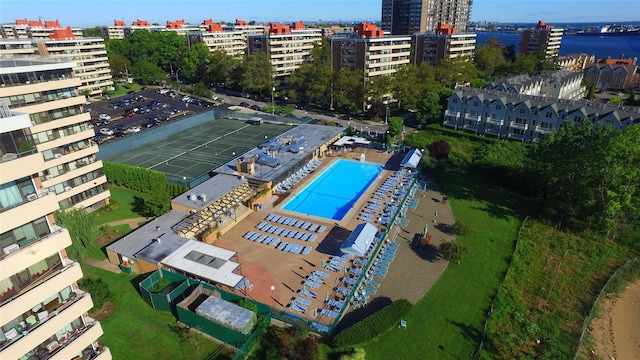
(276, 230)
(289, 221)
(297, 176)
(261, 238)
(293, 248)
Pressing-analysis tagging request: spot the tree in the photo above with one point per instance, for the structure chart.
(489, 57)
(395, 125)
(451, 250)
(411, 82)
(221, 66)
(588, 177)
(429, 108)
(348, 90)
(255, 74)
(312, 80)
(120, 65)
(81, 225)
(148, 72)
(461, 228)
(451, 72)
(439, 149)
(95, 31)
(194, 63)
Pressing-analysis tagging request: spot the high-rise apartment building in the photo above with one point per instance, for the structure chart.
(89, 54)
(218, 37)
(370, 51)
(35, 29)
(406, 17)
(543, 38)
(286, 46)
(47, 162)
(444, 44)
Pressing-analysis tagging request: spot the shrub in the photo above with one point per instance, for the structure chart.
(451, 250)
(355, 354)
(99, 291)
(373, 325)
(161, 284)
(439, 149)
(460, 228)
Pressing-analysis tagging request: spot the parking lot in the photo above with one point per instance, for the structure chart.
(135, 112)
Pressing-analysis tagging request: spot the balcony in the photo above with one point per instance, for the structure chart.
(493, 131)
(476, 118)
(34, 207)
(51, 325)
(11, 259)
(521, 126)
(543, 130)
(518, 137)
(79, 341)
(494, 121)
(25, 164)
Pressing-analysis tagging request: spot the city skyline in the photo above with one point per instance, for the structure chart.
(102, 13)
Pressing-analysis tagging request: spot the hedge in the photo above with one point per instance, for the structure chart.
(140, 179)
(373, 325)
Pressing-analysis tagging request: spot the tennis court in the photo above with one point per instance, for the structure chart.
(188, 154)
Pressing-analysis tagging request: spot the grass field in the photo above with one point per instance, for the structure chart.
(195, 151)
(136, 331)
(448, 322)
(125, 198)
(554, 280)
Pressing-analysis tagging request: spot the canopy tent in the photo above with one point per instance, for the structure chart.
(360, 240)
(412, 159)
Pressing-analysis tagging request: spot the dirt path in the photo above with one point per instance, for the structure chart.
(615, 332)
(133, 223)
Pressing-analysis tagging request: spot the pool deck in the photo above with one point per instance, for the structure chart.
(410, 275)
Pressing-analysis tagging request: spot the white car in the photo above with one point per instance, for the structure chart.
(134, 129)
(105, 117)
(186, 98)
(106, 131)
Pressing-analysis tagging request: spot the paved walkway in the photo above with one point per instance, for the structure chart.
(133, 223)
(414, 270)
(102, 264)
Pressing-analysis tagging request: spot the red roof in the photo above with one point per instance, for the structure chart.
(367, 30)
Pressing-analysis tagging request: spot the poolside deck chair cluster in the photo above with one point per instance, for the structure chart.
(297, 176)
(290, 221)
(413, 203)
(293, 248)
(261, 238)
(383, 260)
(370, 211)
(321, 327)
(244, 284)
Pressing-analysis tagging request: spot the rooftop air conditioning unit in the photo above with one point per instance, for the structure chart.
(67, 188)
(11, 248)
(57, 156)
(203, 197)
(52, 345)
(48, 177)
(32, 197)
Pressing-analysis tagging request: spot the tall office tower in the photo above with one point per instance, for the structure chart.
(543, 38)
(405, 17)
(47, 163)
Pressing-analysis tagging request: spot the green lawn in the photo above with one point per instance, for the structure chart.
(447, 323)
(137, 331)
(96, 251)
(125, 198)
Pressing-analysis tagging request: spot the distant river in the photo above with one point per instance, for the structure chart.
(600, 46)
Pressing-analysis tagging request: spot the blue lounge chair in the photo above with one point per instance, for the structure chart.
(299, 235)
(248, 234)
(282, 245)
(320, 327)
(321, 229)
(254, 236)
(288, 247)
(306, 250)
(302, 301)
(269, 217)
(317, 279)
(313, 227)
(305, 236)
(298, 308)
(329, 313)
(308, 293)
(321, 273)
(312, 237)
(311, 284)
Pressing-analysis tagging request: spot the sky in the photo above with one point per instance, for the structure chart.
(88, 13)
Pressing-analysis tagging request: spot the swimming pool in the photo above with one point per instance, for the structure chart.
(332, 194)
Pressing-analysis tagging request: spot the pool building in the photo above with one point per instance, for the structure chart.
(265, 226)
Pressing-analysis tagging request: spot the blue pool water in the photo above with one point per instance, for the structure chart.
(332, 194)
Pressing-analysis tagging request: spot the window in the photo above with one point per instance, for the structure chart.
(548, 114)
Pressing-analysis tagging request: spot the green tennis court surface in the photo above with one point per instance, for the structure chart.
(195, 151)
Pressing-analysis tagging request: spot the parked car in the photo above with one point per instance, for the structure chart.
(119, 134)
(106, 131)
(255, 107)
(150, 123)
(244, 104)
(105, 117)
(119, 127)
(134, 129)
